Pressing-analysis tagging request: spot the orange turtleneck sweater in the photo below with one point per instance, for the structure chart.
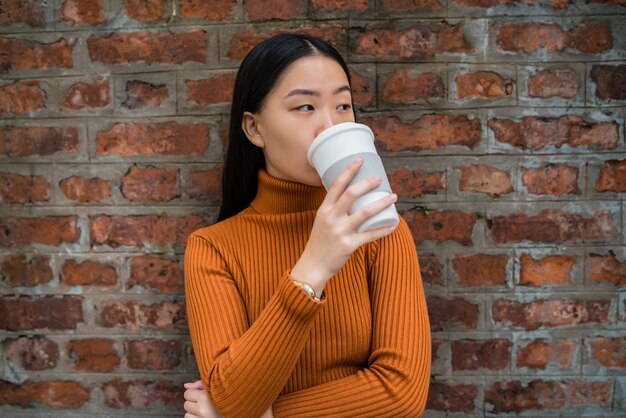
(260, 340)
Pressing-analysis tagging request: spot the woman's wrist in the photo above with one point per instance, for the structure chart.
(309, 275)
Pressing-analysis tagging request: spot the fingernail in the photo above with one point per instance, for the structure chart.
(393, 197)
(359, 160)
(374, 179)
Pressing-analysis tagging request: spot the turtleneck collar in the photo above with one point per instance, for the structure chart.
(275, 195)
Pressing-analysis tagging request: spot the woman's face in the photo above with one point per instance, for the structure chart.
(311, 95)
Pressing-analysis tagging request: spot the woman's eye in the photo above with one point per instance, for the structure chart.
(344, 107)
(306, 107)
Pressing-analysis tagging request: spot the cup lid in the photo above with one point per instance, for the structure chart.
(329, 132)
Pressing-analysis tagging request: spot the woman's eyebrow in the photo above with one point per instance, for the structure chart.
(307, 92)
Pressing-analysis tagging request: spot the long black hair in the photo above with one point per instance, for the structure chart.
(256, 77)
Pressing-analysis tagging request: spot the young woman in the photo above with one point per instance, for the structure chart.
(292, 312)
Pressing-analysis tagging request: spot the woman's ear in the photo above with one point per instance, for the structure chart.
(250, 128)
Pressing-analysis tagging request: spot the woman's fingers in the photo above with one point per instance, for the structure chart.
(355, 191)
(342, 181)
(192, 408)
(367, 211)
(194, 385)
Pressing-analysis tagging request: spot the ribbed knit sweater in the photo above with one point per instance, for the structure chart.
(260, 340)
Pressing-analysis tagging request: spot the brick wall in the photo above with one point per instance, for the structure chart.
(501, 124)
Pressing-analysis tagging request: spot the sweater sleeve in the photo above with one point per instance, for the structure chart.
(243, 368)
(395, 383)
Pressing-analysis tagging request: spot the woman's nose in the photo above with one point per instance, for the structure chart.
(327, 120)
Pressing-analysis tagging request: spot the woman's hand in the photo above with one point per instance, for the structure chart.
(334, 235)
(199, 405)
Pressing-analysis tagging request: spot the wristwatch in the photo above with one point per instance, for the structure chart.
(309, 291)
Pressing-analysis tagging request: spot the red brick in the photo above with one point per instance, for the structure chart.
(88, 95)
(552, 225)
(168, 138)
(512, 396)
(213, 90)
(538, 132)
(410, 85)
(22, 142)
(417, 42)
(93, 354)
(89, 12)
(88, 273)
(592, 37)
(428, 132)
(26, 313)
(29, 12)
(551, 179)
(156, 273)
(539, 354)
(152, 48)
(550, 313)
(151, 184)
(54, 393)
(485, 179)
(607, 268)
(431, 269)
(481, 354)
(145, 10)
(19, 189)
(434, 349)
(339, 4)
(32, 353)
(137, 316)
(451, 398)
(214, 10)
(410, 5)
(610, 81)
(139, 230)
(589, 393)
(85, 190)
(205, 185)
(547, 271)
(451, 314)
(610, 2)
(441, 226)
(141, 94)
(154, 354)
(479, 270)
(49, 230)
(21, 54)
(361, 91)
(416, 183)
(609, 352)
(484, 85)
(563, 83)
(21, 271)
(612, 177)
(274, 9)
(22, 96)
(141, 393)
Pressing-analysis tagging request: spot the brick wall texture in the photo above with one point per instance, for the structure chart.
(501, 126)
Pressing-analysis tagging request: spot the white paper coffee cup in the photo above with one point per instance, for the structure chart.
(335, 148)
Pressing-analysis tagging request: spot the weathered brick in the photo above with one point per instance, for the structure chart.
(431, 269)
(612, 177)
(93, 354)
(563, 83)
(274, 9)
(416, 183)
(85, 190)
(145, 10)
(538, 132)
(21, 54)
(552, 225)
(551, 179)
(339, 4)
(581, 393)
(361, 91)
(410, 5)
(22, 142)
(539, 354)
(89, 12)
(151, 184)
(205, 185)
(428, 132)
(451, 314)
(25, 313)
(21, 271)
(609, 352)
(441, 226)
(139, 230)
(410, 85)
(142, 94)
(485, 179)
(547, 271)
(156, 273)
(141, 393)
(550, 313)
(88, 273)
(512, 396)
(168, 138)
(451, 398)
(154, 354)
(610, 81)
(478, 270)
(53, 393)
(29, 12)
(138, 316)
(481, 354)
(22, 96)
(213, 90)
(610, 2)
(215, 10)
(88, 95)
(607, 268)
(19, 189)
(484, 85)
(49, 230)
(152, 48)
(32, 353)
